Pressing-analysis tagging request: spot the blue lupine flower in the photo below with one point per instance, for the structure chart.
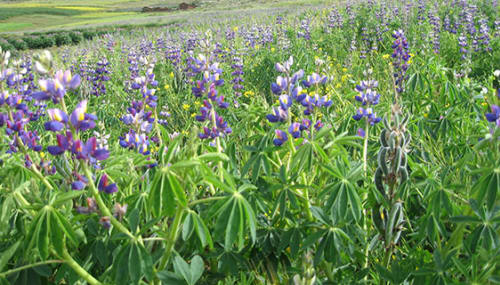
(281, 137)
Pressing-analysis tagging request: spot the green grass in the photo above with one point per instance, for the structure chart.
(6, 13)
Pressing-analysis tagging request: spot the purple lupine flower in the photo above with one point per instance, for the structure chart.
(294, 130)
(80, 120)
(281, 137)
(279, 115)
(400, 57)
(105, 186)
(494, 116)
(58, 120)
(56, 88)
(361, 133)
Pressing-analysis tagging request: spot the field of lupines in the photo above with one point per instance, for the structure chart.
(358, 143)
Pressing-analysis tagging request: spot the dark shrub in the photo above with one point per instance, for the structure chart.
(63, 39)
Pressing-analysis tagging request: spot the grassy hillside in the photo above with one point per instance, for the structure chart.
(29, 16)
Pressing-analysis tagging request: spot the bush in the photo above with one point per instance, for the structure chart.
(18, 44)
(63, 39)
(89, 34)
(6, 45)
(76, 37)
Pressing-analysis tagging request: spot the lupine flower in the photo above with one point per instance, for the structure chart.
(281, 137)
(210, 79)
(279, 115)
(368, 113)
(56, 88)
(91, 207)
(367, 95)
(120, 211)
(400, 57)
(294, 130)
(494, 116)
(361, 133)
(105, 186)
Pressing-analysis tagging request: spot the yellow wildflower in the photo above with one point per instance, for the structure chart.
(338, 85)
(385, 56)
(167, 86)
(171, 74)
(193, 115)
(186, 107)
(272, 49)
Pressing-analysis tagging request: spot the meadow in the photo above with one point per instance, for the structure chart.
(344, 143)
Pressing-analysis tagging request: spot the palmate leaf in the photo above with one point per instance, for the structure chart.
(132, 264)
(235, 216)
(343, 195)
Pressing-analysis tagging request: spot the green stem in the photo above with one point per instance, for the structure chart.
(387, 257)
(219, 148)
(172, 238)
(365, 146)
(306, 198)
(102, 206)
(78, 269)
(12, 271)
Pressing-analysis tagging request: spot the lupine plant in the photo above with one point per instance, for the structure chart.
(333, 143)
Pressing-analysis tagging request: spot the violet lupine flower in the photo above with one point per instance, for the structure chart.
(87, 152)
(56, 88)
(101, 75)
(368, 113)
(494, 116)
(132, 140)
(138, 118)
(368, 97)
(367, 94)
(462, 42)
(210, 79)
(237, 74)
(305, 30)
(281, 137)
(91, 207)
(79, 119)
(105, 186)
(294, 130)
(400, 57)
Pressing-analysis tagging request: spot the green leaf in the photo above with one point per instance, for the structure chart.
(65, 226)
(177, 190)
(134, 268)
(181, 165)
(43, 235)
(133, 220)
(183, 269)
(170, 278)
(213, 156)
(121, 263)
(197, 268)
(202, 231)
(56, 234)
(7, 254)
(188, 226)
(233, 226)
(146, 261)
